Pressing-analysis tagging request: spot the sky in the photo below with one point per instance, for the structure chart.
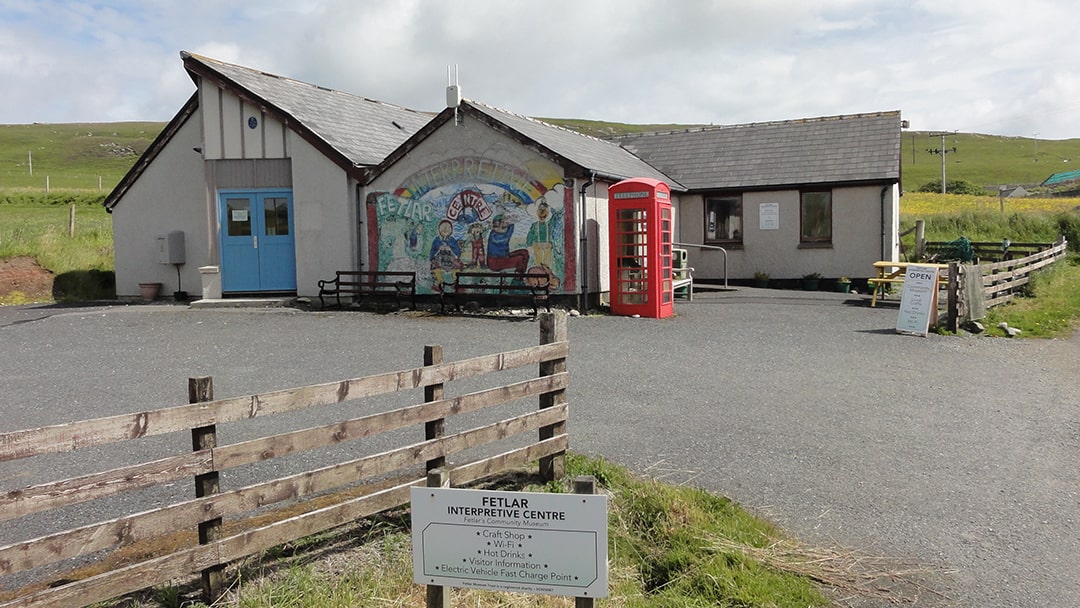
(999, 67)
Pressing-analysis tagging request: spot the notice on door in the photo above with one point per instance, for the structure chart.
(918, 301)
(526, 542)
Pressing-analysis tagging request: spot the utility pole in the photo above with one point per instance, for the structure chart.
(1035, 157)
(942, 151)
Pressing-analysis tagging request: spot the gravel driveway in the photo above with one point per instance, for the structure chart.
(959, 454)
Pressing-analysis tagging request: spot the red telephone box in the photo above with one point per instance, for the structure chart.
(639, 246)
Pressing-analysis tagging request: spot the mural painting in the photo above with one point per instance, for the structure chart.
(475, 214)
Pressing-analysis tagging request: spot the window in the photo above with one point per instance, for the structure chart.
(276, 216)
(815, 215)
(723, 219)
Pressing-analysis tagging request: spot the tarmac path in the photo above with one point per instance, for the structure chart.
(957, 453)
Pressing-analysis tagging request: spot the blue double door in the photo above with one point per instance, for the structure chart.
(258, 251)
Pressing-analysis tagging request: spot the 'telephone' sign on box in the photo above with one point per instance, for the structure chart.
(528, 542)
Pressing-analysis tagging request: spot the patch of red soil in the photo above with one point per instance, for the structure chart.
(23, 274)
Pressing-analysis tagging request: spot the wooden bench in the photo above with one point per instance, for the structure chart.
(535, 285)
(682, 279)
(369, 283)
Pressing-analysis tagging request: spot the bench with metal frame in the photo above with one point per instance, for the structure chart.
(369, 283)
(534, 285)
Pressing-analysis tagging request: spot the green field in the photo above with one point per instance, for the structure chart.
(77, 156)
(985, 160)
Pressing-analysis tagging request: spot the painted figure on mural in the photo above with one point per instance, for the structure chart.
(499, 255)
(445, 256)
(414, 236)
(476, 239)
(540, 237)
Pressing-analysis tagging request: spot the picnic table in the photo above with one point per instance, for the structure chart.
(889, 273)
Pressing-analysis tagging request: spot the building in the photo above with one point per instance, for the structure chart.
(786, 198)
(279, 183)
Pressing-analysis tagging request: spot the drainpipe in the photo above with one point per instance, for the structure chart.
(583, 244)
(884, 233)
(361, 208)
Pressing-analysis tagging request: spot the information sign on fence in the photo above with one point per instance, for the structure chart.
(528, 542)
(918, 301)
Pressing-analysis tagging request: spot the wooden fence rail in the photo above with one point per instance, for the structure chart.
(973, 288)
(300, 504)
(982, 251)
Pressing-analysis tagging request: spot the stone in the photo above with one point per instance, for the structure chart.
(974, 327)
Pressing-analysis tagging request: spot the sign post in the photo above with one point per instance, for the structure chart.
(918, 301)
(527, 542)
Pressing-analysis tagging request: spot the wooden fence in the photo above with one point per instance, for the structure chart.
(200, 540)
(973, 288)
(980, 251)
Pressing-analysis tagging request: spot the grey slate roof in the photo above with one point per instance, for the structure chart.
(362, 130)
(834, 149)
(606, 158)
(367, 133)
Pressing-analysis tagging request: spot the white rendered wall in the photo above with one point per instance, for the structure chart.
(170, 195)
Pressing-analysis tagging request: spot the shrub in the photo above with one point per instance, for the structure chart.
(54, 198)
(1068, 224)
(953, 186)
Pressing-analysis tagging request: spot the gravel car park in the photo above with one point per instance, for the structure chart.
(955, 453)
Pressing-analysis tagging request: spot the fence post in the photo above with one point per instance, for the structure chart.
(920, 239)
(552, 329)
(584, 484)
(433, 429)
(201, 389)
(954, 297)
(437, 595)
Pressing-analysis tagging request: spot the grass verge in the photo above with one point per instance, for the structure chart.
(669, 546)
(1050, 307)
(79, 253)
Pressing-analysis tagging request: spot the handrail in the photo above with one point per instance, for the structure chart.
(714, 247)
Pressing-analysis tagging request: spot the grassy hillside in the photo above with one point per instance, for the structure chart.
(71, 156)
(599, 128)
(985, 160)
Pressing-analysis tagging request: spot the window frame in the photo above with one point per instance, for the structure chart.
(729, 198)
(815, 240)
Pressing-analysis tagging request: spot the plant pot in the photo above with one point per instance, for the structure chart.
(843, 286)
(762, 283)
(149, 291)
(810, 284)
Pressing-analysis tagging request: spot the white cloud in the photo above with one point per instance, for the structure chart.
(992, 66)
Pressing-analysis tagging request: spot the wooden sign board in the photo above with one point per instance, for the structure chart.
(918, 301)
